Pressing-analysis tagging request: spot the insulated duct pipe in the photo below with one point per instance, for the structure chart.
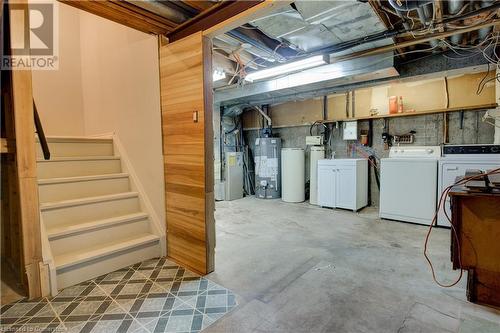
(257, 44)
(454, 6)
(165, 11)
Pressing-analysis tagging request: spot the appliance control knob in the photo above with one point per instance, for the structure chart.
(495, 149)
(430, 151)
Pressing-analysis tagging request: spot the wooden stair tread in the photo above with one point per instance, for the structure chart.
(75, 179)
(87, 254)
(79, 158)
(87, 200)
(67, 230)
(75, 139)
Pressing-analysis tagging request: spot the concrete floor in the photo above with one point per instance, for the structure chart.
(300, 268)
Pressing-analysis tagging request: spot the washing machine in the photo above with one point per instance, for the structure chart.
(408, 184)
(456, 160)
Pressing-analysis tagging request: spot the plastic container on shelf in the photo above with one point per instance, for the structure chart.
(393, 104)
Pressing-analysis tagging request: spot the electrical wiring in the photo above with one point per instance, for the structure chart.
(440, 206)
(476, 49)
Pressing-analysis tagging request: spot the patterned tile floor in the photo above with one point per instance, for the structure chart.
(152, 296)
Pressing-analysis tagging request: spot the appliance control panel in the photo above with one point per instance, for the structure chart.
(415, 152)
(470, 149)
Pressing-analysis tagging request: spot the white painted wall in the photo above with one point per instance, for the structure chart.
(107, 82)
(58, 94)
(121, 93)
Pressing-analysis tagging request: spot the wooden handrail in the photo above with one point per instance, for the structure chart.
(41, 134)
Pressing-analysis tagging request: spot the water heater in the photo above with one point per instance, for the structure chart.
(267, 168)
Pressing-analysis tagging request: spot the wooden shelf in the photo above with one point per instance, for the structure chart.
(416, 113)
(404, 114)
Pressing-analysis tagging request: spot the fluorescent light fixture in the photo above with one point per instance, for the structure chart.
(287, 68)
(218, 75)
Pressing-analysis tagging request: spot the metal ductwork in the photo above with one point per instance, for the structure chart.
(321, 77)
(236, 44)
(424, 11)
(264, 43)
(159, 8)
(407, 5)
(454, 7)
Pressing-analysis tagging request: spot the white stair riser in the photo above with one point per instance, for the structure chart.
(69, 149)
(89, 270)
(82, 189)
(90, 212)
(98, 237)
(59, 169)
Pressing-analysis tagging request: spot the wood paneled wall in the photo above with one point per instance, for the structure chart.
(186, 102)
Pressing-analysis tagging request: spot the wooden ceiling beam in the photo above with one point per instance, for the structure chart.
(123, 13)
(199, 5)
(147, 14)
(438, 7)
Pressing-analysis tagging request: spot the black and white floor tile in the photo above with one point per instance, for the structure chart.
(152, 296)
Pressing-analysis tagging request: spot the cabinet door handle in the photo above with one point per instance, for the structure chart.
(452, 169)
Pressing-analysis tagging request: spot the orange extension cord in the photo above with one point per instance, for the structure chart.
(434, 220)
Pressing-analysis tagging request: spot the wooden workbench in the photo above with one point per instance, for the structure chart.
(476, 218)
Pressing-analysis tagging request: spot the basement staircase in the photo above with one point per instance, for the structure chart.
(94, 219)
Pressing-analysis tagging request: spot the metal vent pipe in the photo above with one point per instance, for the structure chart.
(454, 7)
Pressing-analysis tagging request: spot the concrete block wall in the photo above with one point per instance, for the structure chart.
(429, 132)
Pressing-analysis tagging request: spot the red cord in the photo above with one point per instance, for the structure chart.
(444, 194)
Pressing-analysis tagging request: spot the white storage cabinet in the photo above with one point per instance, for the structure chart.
(343, 183)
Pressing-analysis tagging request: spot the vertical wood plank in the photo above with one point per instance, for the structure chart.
(187, 150)
(22, 103)
(209, 153)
